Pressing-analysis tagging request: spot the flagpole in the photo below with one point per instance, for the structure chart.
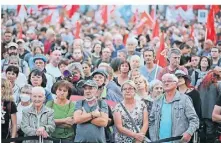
(205, 35)
(156, 70)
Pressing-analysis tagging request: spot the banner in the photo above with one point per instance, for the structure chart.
(202, 16)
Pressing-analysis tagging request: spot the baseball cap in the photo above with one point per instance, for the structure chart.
(180, 73)
(100, 71)
(20, 40)
(12, 44)
(91, 83)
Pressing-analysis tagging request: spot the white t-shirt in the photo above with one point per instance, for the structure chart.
(20, 108)
(53, 70)
(20, 81)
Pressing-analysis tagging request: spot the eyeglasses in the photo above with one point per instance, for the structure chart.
(169, 81)
(127, 89)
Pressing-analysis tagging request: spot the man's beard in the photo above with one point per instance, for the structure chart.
(13, 54)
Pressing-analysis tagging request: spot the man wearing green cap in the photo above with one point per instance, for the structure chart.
(91, 115)
(100, 77)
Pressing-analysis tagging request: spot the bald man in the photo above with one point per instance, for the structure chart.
(52, 67)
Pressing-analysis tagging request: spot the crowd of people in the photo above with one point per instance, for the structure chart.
(106, 85)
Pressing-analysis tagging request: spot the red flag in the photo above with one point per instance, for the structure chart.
(146, 20)
(74, 8)
(104, 14)
(135, 17)
(191, 36)
(78, 28)
(18, 9)
(160, 56)
(210, 27)
(156, 30)
(47, 19)
(61, 19)
(215, 8)
(20, 32)
(125, 39)
(152, 14)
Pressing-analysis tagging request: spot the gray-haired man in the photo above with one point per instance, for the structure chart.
(173, 114)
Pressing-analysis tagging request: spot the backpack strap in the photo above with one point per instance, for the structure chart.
(22, 65)
(196, 77)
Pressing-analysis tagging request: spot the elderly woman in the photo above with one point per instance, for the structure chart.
(38, 120)
(131, 47)
(156, 89)
(135, 62)
(8, 110)
(138, 112)
(63, 111)
(25, 103)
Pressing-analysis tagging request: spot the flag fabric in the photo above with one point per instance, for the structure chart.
(160, 56)
(135, 17)
(125, 39)
(156, 29)
(104, 14)
(61, 19)
(191, 36)
(74, 8)
(18, 9)
(210, 27)
(77, 31)
(146, 21)
(215, 8)
(47, 19)
(126, 12)
(22, 12)
(152, 14)
(20, 32)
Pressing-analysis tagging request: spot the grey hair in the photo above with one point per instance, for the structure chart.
(27, 87)
(38, 89)
(132, 40)
(81, 41)
(153, 83)
(134, 57)
(118, 36)
(174, 51)
(171, 76)
(76, 66)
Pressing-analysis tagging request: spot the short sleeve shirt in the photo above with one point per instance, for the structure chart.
(88, 132)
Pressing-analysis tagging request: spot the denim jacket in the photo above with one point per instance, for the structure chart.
(184, 117)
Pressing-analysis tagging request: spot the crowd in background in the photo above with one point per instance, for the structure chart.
(89, 74)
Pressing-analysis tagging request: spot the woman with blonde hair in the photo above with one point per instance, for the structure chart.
(8, 110)
(143, 91)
